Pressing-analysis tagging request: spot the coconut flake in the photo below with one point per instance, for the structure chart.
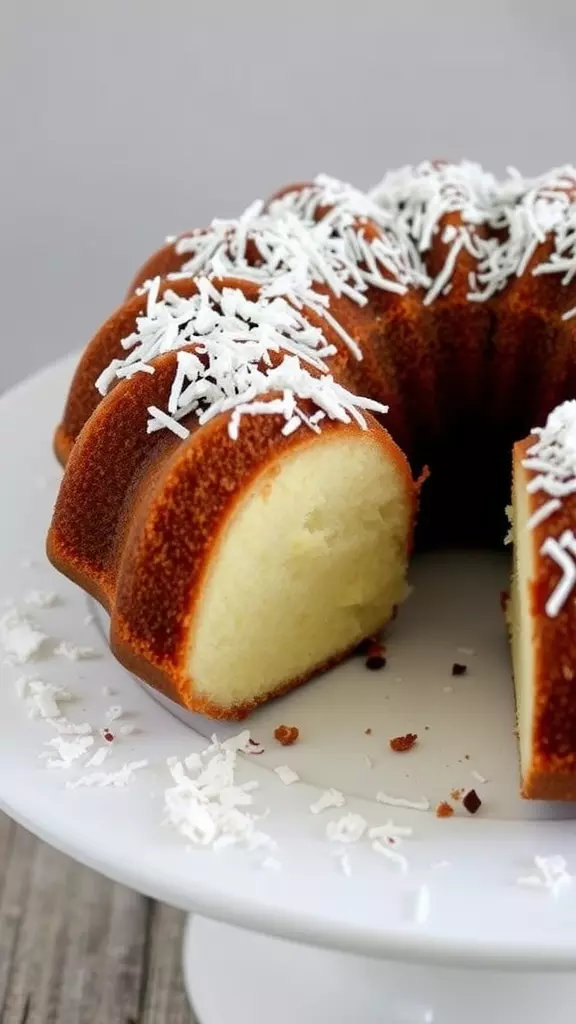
(348, 829)
(400, 801)
(20, 638)
(75, 652)
(287, 775)
(115, 780)
(329, 798)
(551, 875)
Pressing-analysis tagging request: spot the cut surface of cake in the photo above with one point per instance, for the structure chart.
(242, 436)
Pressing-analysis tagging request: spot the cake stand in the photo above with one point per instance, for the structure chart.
(461, 926)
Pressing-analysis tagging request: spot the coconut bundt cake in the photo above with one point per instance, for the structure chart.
(242, 436)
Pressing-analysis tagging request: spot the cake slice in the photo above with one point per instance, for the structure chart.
(542, 608)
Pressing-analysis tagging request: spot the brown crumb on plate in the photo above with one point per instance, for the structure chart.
(444, 810)
(286, 735)
(472, 802)
(400, 744)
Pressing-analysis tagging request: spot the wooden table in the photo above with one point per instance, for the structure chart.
(76, 949)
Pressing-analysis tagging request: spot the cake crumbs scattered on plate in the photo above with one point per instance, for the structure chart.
(447, 689)
(444, 810)
(457, 794)
(472, 802)
(481, 779)
(286, 735)
(459, 669)
(402, 744)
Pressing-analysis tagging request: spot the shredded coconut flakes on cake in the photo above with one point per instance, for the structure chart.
(552, 461)
(231, 368)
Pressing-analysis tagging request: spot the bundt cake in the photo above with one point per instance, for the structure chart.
(245, 438)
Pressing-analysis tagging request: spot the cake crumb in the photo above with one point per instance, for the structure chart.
(375, 662)
(367, 732)
(457, 794)
(401, 744)
(286, 735)
(472, 802)
(444, 810)
(459, 669)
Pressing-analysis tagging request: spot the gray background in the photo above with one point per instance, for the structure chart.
(123, 121)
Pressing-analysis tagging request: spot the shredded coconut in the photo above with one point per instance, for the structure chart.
(41, 599)
(329, 798)
(115, 779)
(74, 652)
(348, 829)
(20, 638)
(286, 774)
(400, 801)
(205, 802)
(551, 874)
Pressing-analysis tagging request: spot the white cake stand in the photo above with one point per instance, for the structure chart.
(454, 940)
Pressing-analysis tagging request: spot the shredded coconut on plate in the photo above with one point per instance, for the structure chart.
(75, 652)
(41, 599)
(329, 798)
(552, 875)
(286, 774)
(400, 801)
(348, 829)
(204, 802)
(115, 780)
(20, 638)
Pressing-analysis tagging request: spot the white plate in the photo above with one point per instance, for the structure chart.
(478, 912)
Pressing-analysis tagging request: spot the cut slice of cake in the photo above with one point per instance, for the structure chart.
(542, 609)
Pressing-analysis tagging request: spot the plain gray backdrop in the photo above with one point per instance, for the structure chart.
(122, 122)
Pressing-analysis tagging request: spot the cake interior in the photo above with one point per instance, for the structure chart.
(326, 529)
(519, 617)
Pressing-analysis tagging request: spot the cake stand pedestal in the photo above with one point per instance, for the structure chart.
(239, 976)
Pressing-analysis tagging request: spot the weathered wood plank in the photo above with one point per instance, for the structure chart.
(76, 949)
(164, 999)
